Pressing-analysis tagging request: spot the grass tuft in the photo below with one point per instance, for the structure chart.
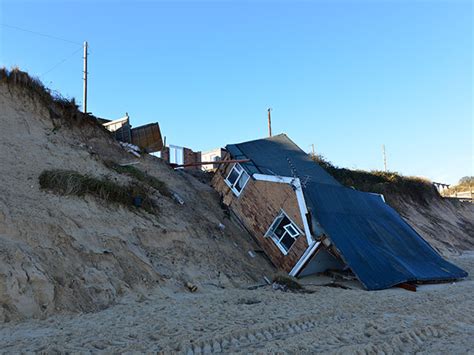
(141, 176)
(67, 182)
(290, 282)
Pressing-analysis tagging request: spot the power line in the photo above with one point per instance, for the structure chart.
(61, 62)
(39, 34)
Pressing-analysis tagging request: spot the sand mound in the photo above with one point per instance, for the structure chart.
(68, 253)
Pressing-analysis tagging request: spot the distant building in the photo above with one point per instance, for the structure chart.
(212, 155)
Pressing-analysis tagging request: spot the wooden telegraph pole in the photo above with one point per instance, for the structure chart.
(269, 123)
(84, 94)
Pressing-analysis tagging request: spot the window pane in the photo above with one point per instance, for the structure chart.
(287, 241)
(242, 181)
(279, 231)
(176, 155)
(274, 225)
(233, 176)
(292, 230)
(285, 221)
(279, 228)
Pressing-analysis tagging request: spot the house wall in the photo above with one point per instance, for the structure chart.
(257, 207)
(212, 155)
(148, 137)
(114, 125)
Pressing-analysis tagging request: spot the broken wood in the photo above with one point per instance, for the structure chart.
(191, 287)
(219, 162)
(407, 286)
(131, 163)
(254, 287)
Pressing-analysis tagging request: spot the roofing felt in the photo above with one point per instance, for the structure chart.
(374, 241)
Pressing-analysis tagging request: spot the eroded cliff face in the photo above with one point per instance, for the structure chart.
(447, 224)
(69, 253)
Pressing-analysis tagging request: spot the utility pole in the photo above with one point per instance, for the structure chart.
(269, 123)
(314, 153)
(84, 94)
(384, 158)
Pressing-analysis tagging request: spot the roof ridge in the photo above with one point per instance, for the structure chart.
(263, 139)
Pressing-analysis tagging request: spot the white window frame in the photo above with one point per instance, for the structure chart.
(241, 173)
(176, 155)
(292, 229)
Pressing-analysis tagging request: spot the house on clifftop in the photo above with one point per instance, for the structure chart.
(307, 222)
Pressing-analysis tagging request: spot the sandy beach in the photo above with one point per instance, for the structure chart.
(435, 319)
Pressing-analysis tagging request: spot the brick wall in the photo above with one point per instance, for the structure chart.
(188, 156)
(192, 157)
(257, 206)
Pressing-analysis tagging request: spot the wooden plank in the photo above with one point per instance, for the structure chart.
(210, 162)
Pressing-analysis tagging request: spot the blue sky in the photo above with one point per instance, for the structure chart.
(347, 76)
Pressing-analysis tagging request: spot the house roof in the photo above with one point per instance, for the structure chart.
(278, 155)
(374, 241)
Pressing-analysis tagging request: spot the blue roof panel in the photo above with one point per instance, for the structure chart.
(375, 242)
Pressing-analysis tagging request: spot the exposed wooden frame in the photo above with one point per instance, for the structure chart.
(219, 162)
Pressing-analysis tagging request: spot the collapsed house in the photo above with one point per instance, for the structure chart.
(146, 137)
(307, 222)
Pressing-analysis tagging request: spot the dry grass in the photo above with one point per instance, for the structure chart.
(141, 176)
(67, 182)
(58, 106)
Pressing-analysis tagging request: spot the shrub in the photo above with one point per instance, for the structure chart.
(380, 181)
(140, 175)
(290, 282)
(67, 182)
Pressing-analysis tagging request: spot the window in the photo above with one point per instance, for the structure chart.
(237, 179)
(283, 232)
(176, 155)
